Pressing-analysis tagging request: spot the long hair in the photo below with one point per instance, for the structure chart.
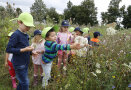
(37, 39)
(60, 29)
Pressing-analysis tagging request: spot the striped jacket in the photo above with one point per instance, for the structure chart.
(51, 49)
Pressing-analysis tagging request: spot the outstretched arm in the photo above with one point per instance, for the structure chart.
(57, 47)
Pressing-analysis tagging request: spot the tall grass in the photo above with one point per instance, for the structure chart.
(113, 57)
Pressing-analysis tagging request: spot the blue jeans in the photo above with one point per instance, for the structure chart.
(22, 76)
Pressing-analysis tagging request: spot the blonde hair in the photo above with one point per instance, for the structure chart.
(37, 39)
(61, 29)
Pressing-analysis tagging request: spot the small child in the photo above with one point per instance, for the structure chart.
(18, 45)
(8, 64)
(63, 37)
(51, 49)
(95, 41)
(38, 44)
(83, 42)
(86, 34)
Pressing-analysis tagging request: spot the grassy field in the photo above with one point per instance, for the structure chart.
(110, 64)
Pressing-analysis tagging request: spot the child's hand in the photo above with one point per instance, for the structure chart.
(90, 46)
(87, 45)
(40, 52)
(6, 64)
(29, 48)
(75, 46)
(34, 54)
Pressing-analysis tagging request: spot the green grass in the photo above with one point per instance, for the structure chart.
(111, 55)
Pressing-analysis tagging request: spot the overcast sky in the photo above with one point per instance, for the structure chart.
(60, 5)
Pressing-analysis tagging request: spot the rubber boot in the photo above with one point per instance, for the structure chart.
(35, 82)
(13, 82)
(41, 79)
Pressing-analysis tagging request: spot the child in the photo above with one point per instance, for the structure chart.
(8, 64)
(38, 43)
(83, 41)
(19, 46)
(51, 48)
(63, 37)
(86, 34)
(95, 41)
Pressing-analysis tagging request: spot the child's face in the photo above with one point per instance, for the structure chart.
(52, 37)
(65, 29)
(78, 33)
(22, 27)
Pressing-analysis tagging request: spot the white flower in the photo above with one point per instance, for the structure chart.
(98, 71)
(111, 31)
(81, 81)
(82, 41)
(67, 85)
(91, 52)
(93, 73)
(130, 63)
(127, 38)
(97, 65)
(121, 51)
(64, 68)
(129, 66)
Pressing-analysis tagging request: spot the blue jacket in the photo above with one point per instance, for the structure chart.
(17, 41)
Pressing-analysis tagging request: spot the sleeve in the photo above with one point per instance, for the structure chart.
(57, 47)
(12, 44)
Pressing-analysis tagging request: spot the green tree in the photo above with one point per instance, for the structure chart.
(127, 18)
(86, 13)
(18, 11)
(38, 10)
(69, 4)
(104, 16)
(90, 12)
(2, 12)
(67, 12)
(113, 12)
(10, 10)
(53, 15)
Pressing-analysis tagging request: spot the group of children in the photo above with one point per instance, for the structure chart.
(46, 45)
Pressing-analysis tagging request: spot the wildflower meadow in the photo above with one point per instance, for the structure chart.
(104, 68)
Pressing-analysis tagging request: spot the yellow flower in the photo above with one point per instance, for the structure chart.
(113, 76)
